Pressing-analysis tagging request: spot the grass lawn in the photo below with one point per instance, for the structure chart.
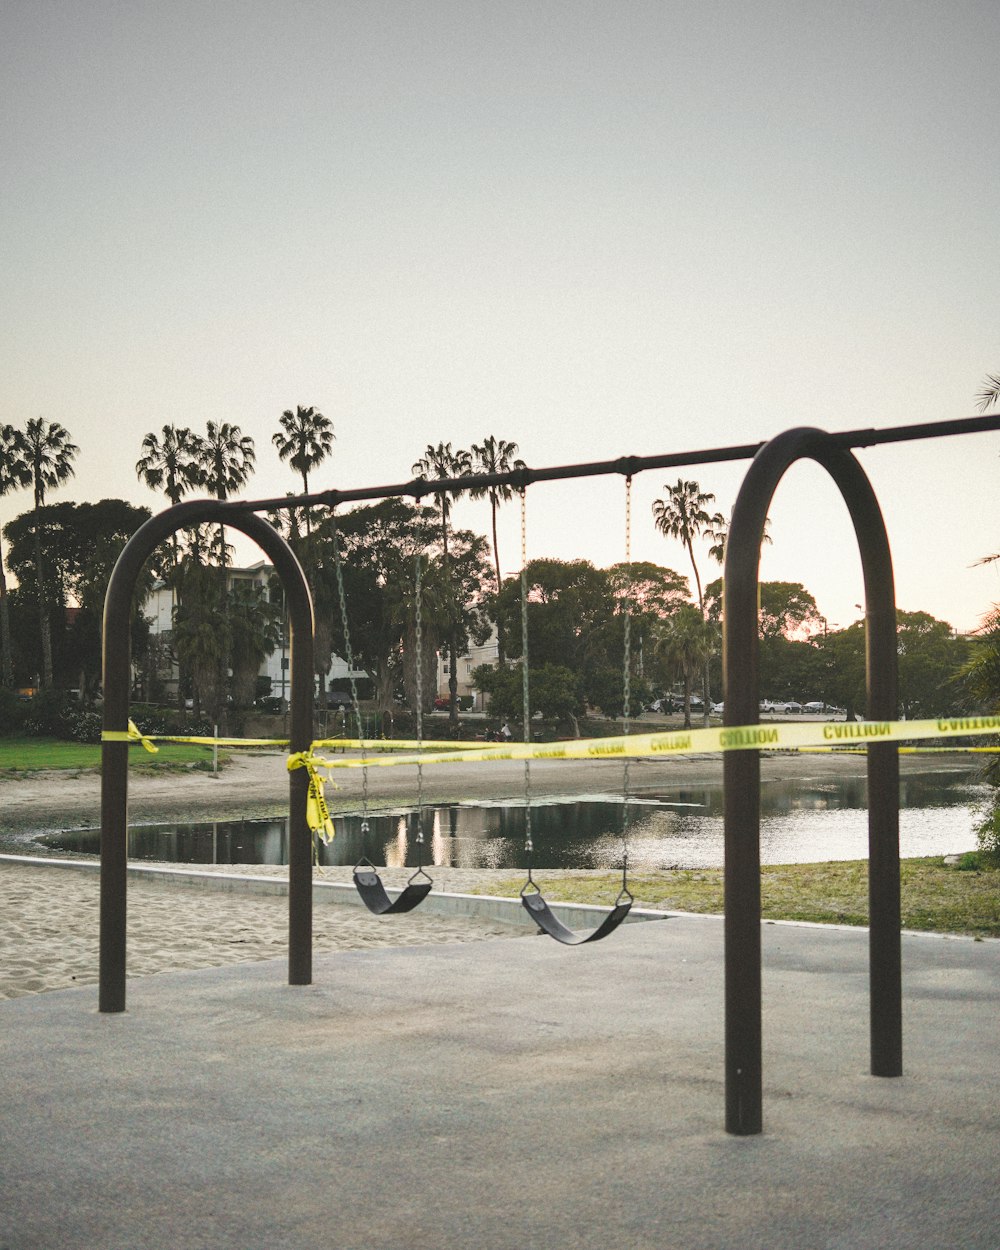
(934, 897)
(27, 755)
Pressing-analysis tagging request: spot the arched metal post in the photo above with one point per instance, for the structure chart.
(114, 755)
(742, 768)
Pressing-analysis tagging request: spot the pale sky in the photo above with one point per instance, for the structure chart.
(595, 229)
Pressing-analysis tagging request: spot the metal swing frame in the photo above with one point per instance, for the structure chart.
(741, 693)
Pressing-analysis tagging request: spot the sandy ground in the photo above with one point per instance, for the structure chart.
(49, 922)
(49, 929)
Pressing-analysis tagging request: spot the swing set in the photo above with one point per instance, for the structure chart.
(366, 879)
(740, 741)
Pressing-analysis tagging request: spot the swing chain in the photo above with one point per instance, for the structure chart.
(525, 695)
(627, 676)
(419, 631)
(349, 657)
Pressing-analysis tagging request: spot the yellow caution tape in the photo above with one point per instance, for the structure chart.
(132, 734)
(399, 744)
(787, 736)
(318, 815)
(902, 750)
(792, 736)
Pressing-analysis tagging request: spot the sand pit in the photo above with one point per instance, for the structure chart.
(49, 930)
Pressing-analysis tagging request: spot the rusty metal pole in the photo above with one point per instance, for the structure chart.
(741, 768)
(114, 755)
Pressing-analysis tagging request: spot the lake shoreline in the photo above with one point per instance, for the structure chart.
(255, 785)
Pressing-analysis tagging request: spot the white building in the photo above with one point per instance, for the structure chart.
(465, 664)
(159, 611)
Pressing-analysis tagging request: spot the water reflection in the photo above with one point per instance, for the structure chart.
(683, 828)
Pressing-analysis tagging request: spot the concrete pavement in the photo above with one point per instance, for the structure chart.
(506, 1094)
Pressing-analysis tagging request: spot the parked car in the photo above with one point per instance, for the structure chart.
(441, 704)
(814, 706)
(718, 708)
(793, 708)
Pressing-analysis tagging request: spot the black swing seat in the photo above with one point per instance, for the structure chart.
(376, 899)
(540, 912)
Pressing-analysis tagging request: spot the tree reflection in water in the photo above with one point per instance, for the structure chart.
(799, 823)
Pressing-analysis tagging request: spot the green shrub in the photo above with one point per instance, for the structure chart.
(45, 715)
(988, 834)
(13, 712)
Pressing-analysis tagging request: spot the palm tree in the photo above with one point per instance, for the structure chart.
(255, 633)
(990, 394)
(717, 532)
(14, 474)
(683, 515)
(987, 397)
(227, 458)
(172, 463)
(442, 463)
(304, 440)
(687, 644)
(201, 634)
(49, 455)
(495, 456)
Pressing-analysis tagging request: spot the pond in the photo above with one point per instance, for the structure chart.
(800, 823)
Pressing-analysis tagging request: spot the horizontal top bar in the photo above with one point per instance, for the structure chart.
(627, 466)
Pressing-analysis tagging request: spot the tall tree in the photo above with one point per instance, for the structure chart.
(172, 462)
(990, 394)
(494, 455)
(683, 515)
(649, 594)
(79, 544)
(201, 635)
(442, 463)
(786, 609)
(717, 532)
(379, 544)
(987, 397)
(14, 474)
(982, 669)
(305, 440)
(227, 458)
(255, 624)
(49, 454)
(687, 644)
(314, 551)
(576, 616)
